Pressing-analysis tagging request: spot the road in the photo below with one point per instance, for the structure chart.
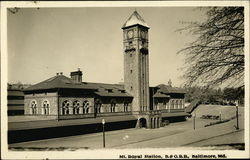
(179, 134)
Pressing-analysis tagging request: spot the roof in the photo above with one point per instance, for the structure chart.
(192, 106)
(115, 94)
(135, 19)
(169, 89)
(61, 81)
(160, 95)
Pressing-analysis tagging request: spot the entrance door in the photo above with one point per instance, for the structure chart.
(143, 123)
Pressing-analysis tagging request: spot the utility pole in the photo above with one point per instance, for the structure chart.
(220, 116)
(194, 119)
(237, 115)
(103, 132)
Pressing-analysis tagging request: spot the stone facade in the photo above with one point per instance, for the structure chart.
(136, 66)
(75, 106)
(35, 103)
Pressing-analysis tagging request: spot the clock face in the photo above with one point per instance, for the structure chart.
(130, 34)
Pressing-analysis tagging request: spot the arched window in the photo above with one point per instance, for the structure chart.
(176, 104)
(98, 105)
(33, 107)
(76, 107)
(65, 107)
(165, 105)
(112, 105)
(86, 106)
(46, 107)
(156, 105)
(180, 103)
(172, 104)
(125, 106)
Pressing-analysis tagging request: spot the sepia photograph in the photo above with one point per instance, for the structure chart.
(124, 80)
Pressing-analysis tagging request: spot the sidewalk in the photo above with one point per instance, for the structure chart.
(190, 138)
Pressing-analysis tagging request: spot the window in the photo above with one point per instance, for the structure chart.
(176, 104)
(131, 71)
(130, 54)
(76, 107)
(65, 107)
(33, 107)
(123, 91)
(112, 108)
(86, 106)
(131, 88)
(142, 43)
(46, 107)
(156, 105)
(126, 107)
(172, 103)
(165, 104)
(130, 43)
(112, 105)
(98, 105)
(99, 108)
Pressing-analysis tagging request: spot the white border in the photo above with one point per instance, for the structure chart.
(114, 153)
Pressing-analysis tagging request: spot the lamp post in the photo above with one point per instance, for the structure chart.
(220, 116)
(237, 115)
(103, 132)
(194, 119)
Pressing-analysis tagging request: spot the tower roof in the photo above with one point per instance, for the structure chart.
(135, 19)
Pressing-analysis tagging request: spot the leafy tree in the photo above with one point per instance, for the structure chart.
(217, 55)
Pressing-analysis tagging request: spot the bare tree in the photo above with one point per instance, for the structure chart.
(217, 55)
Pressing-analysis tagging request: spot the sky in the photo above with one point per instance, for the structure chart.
(42, 42)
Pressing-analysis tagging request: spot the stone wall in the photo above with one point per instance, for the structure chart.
(39, 99)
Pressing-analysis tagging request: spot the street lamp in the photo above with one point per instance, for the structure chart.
(220, 116)
(194, 119)
(237, 115)
(103, 132)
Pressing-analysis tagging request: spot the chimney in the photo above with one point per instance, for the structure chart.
(170, 83)
(57, 74)
(61, 73)
(76, 76)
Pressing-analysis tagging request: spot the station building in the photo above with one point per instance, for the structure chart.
(68, 98)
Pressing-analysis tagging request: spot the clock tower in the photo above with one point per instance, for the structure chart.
(136, 63)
